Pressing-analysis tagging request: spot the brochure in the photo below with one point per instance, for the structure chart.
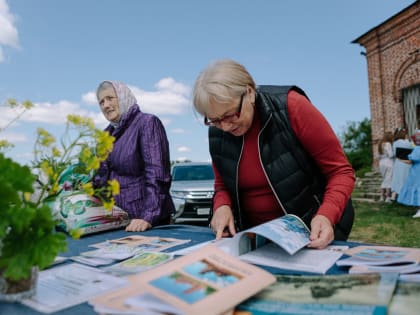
(280, 243)
(148, 243)
(67, 285)
(322, 295)
(139, 263)
(382, 259)
(112, 251)
(206, 281)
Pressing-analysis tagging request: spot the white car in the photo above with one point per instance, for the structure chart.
(192, 191)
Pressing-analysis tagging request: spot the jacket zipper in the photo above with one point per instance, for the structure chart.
(237, 184)
(262, 166)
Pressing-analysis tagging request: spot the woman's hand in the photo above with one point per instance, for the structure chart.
(322, 232)
(222, 223)
(138, 225)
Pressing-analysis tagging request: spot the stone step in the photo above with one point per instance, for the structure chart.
(369, 200)
(368, 187)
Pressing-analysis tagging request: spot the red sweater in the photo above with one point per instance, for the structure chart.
(319, 140)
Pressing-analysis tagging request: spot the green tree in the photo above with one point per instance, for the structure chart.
(357, 144)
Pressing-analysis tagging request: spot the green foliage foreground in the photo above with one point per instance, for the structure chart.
(386, 223)
(27, 236)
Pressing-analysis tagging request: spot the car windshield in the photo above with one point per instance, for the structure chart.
(192, 172)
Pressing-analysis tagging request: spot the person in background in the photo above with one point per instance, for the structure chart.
(410, 191)
(139, 160)
(386, 162)
(401, 167)
(273, 153)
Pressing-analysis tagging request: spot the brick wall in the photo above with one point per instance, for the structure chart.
(393, 63)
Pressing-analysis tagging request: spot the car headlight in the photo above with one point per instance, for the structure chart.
(178, 193)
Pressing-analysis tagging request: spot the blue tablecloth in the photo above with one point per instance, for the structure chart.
(196, 234)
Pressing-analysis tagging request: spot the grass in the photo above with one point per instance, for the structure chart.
(385, 224)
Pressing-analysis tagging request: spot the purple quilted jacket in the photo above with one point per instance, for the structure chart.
(141, 164)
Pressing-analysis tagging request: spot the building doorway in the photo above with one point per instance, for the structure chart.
(411, 103)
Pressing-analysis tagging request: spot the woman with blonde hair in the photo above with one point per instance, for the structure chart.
(266, 159)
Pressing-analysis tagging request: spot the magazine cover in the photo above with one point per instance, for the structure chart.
(207, 281)
(329, 294)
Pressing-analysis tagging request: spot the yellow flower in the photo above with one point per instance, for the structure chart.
(12, 102)
(88, 189)
(46, 168)
(115, 186)
(93, 164)
(27, 196)
(27, 104)
(74, 119)
(5, 144)
(76, 233)
(44, 137)
(108, 205)
(105, 144)
(85, 155)
(56, 152)
(54, 189)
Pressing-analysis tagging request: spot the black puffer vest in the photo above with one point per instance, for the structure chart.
(292, 173)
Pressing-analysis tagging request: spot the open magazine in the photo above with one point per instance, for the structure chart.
(206, 281)
(382, 259)
(280, 243)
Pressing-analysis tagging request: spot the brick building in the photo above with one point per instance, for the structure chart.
(393, 62)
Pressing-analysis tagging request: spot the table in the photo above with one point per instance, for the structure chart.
(197, 234)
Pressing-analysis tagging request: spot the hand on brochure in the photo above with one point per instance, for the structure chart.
(222, 223)
(138, 225)
(322, 232)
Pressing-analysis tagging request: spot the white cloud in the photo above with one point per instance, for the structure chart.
(13, 137)
(90, 98)
(178, 130)
(169, 84)
(8, 32)
(170, 97)
(49, 113)
(183, 149)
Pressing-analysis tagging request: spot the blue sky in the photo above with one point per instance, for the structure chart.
(55, 53)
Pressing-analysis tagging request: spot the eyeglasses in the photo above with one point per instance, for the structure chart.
(227, 118)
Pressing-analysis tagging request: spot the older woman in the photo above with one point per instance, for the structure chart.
(273, 153)
(140, 158)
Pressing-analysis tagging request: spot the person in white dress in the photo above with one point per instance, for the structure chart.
(401, 168)
(386, 163)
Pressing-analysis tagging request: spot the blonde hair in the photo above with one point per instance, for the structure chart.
(222, 81)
